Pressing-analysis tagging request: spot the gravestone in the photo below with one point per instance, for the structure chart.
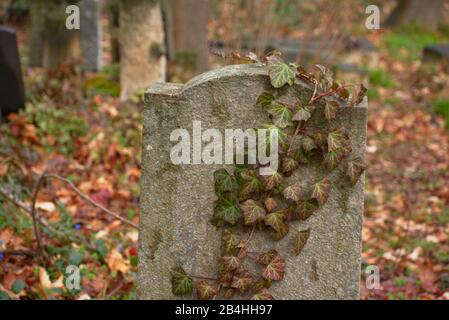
(436, 54)
(91, 34)
(12, 92)
(177, 201)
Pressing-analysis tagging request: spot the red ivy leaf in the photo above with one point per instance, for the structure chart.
(231, 263)
(242, 282)
(301, 240)
(355, 169)
(206, 290)
(263, 294)
(252, 211)
(275, 269)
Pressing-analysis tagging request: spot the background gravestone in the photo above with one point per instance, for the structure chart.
(177, 200)
(91, 34)
(12, 92)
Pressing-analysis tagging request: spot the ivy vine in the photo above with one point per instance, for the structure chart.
(266, 203)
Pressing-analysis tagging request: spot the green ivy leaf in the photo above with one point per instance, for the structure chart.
(306, 208)
(243, 281)
(229, 242)
(321, 191)
(226, 210)
(264, 100)
(280, 74)
(231, 263)
(282, 115)
(252, 212)
(181, 282)
(301, 240)
(224, 182)
(330, 109)
(262, 294)
(355, 169)
(206, 290)
(275, 269)
(272, 181)
(267, 257)
(292, 192)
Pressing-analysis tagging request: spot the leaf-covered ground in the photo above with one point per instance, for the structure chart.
(76, 128)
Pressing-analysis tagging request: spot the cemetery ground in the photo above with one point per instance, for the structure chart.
(76, 128)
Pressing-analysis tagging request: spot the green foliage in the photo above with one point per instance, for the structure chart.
(380, 78)
(267, 203)
(441, 107)
(106, 82)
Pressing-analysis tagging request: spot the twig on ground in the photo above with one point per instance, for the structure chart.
(33, 213)
(92, 202)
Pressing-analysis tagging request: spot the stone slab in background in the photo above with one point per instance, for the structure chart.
(12, 91)
(177, 200)
(91, 33)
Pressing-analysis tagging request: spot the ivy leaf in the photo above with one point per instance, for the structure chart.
(275, 269)
(301, 240)
(251, 183)
(330, 109)
(326, 77)
(281, 134)
(262, 284)
(292, 192)
(272, 181)
(343, 93)
(275, 220)
(306, 208)
(252, 211)
(358, 95)
(282, 115)
(229, 293)
(225, 279)
(242, 282)
(321, 191)
(181, 282)
(355, 169)
(320, 139)
(289, 164)
(262, 294)
(307, 143)
(332, 159)
(205, 290)
(270, 204)
(225, 210)
(337, 139)
(280, 74)
(302, 115)
(231, 263)
(224, 182)
(229, 242)
(264, 100)
(267, 257)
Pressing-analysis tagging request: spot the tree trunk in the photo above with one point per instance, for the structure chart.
(426, 13)
(187, 31)
(142, 49)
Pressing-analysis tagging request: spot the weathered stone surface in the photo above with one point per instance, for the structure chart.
(91, 34)
(177, 200)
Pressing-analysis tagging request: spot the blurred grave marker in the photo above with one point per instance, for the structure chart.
(91, 34)
(177, 201)
(12, 92)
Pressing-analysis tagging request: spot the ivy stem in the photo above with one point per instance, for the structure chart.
(250, 235)
(329, 92)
